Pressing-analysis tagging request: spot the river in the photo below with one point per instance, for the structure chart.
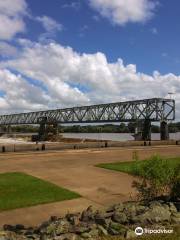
(115, 136)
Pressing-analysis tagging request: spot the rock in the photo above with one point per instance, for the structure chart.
(130, 234)
(154, 204)
(110, 209)
(166, 207)
(43, 236)
(86, 235)
(108, 214)
(94, 232)
(130, 210)
(120, 217)
(3, 238)
(30, 233)
(35, 231)
(73, 218)
(11, 236)
(116, 229)
(87, 215)
(81, 228)
(102, 230)
(3, 235)
(119, 207)
(101, 220)
(175, 218)
(51, 229)
(53, 219)
(113, 232)
(8, 227)
(42, 228)
(19, 227)
(91, 225)
(155, 214)
(172, 208)
(33, 237)
(177, 205)
(67, 236)
(140, 209)
(62, 227)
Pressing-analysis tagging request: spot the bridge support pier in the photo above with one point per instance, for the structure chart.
(8, 129)
(48, 129)
(42, 131)
(146, 133)
(164, 131)
(143, 130)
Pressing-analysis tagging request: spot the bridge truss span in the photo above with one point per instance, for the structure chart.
(155, 109)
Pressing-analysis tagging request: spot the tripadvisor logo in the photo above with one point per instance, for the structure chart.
(139, 231)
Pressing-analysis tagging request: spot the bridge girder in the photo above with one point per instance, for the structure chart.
(155, 109)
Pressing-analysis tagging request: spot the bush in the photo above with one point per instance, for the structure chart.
(175, 189)
(158, 179)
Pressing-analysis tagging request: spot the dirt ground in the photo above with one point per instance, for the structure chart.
(75, 170)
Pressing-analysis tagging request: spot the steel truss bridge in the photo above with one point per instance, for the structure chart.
(146, 110)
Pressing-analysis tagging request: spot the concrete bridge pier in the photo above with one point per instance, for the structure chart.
(164, 131)
(42, 131)
(47, 129)
(143, 130)
(146, 133)
(6, 129)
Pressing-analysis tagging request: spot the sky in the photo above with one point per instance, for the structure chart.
(64, 53)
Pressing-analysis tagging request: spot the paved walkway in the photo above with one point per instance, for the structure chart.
(75, 170)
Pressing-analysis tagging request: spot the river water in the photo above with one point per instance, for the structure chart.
(115, 136)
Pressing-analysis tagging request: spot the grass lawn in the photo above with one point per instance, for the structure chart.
(134, 167)
(21, 190)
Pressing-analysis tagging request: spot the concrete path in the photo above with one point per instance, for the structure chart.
(76, 171)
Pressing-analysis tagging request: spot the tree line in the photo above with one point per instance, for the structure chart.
(106, 128)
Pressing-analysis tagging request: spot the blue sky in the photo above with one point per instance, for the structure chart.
(59, 53)
(153, 45)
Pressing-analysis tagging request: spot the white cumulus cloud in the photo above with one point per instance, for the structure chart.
(49, 24)
(7, 50)
(73, 79)
(11, 18)
(19, 95)
(121, 12)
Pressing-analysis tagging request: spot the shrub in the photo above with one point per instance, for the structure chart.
(175, 189)
(135, 158)
(157, 179)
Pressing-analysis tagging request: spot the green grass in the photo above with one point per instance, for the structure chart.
(134, 167)
(19, 190)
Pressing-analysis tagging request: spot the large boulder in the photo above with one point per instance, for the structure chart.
(5, 235)
(67, 236)
(155, 214)
(172, 208)
(102, 230)
(130, 210)
(130, 234)
(87, 215)
(101, 219)
(175, 218)
(62, 227)
(116, 229)
(74, 219)
(120, 217)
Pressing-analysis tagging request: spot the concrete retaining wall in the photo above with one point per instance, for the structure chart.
(62, 146)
